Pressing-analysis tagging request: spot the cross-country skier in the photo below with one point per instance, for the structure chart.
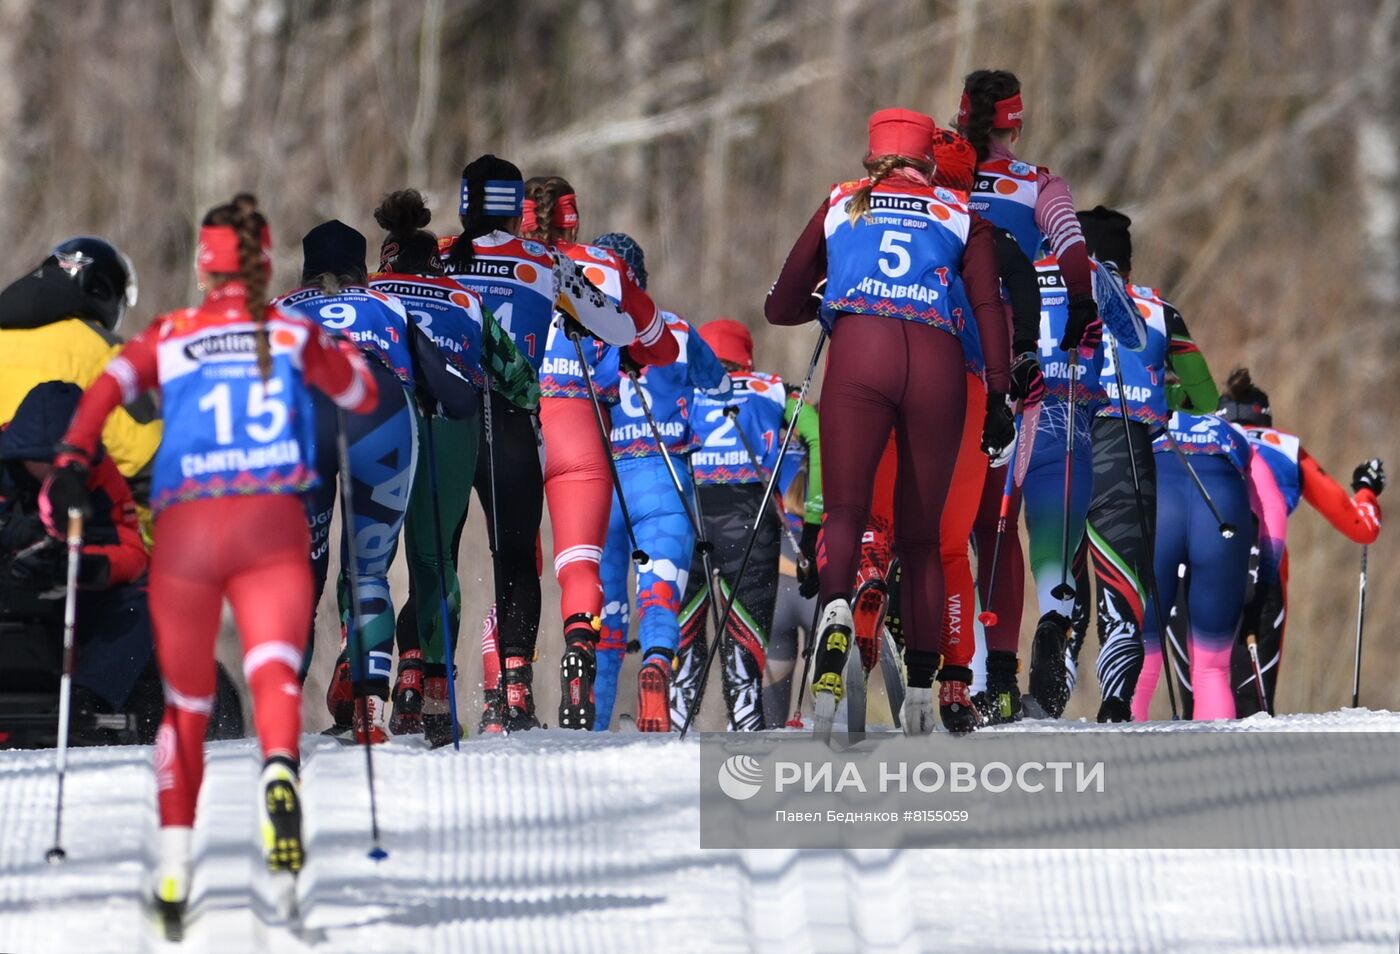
(1121, 524)
(383, 454)
(895, 362)
(661, 501)
(577, 477)
(750, 419)
(1241, 490)
(793, 615)
(1299, 477)
(234, 377)
(472, 341)
(521, 282)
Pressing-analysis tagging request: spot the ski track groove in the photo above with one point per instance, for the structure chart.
(557, 841)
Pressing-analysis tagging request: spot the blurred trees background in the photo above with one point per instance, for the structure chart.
(1253, 143)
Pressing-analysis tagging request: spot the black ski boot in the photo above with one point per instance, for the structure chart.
(408, 695)
(1001, 702)
(517, 678)
(1049, 681)
(577, 667)
(1115, 710)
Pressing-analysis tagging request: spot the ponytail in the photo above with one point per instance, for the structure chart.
(879, 168)
(1240, 386)
(250, 228)
(407, 248)
(984, 89)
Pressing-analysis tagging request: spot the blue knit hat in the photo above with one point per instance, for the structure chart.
(628, 250)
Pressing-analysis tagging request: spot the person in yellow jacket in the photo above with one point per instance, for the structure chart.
(59, 323)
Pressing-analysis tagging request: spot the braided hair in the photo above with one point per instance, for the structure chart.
(545, 191)
(879, 168)
(241, 214)
(984, 89)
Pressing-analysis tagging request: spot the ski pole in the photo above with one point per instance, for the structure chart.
(753, 533)
(1360, 626)
(1063, 590)
(639, 556)
(342, 447)
(449, 635)
(988, 617)
(1227, 529)
(1148, 576)
(705, 548)
(807, 646)
(56, 854)
(493, 529)
(732, 412)
(1253, 645)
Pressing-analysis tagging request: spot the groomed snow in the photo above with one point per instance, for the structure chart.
(554, 841)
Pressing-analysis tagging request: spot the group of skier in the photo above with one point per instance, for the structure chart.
(986, 347)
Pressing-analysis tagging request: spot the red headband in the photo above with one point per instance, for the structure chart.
(218, 249)
(565, 214)
(1008, 115)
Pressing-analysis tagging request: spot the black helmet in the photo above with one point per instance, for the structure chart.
(102, 273)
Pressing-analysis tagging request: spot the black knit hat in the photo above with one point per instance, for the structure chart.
(1106, 232)
(332, 248)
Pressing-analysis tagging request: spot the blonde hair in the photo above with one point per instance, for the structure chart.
(878, 168)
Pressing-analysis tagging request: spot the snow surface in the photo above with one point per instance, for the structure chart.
(557, 841)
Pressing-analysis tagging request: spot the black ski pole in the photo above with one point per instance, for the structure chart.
(449, 635)
(753, 533)
(1360, 627)
(56, 854)
(342, 447)
(1149, 576)
(1063, 591)
(732, 412)
(808, 645)
(639, 556)
(1227, 530)
(1252, 645)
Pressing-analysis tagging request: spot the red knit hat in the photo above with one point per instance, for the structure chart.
(901, 132)
(956, 159)
(730, 341)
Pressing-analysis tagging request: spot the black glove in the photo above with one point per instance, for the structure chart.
(573, 328)
(807, 581)
(1027, 381)
(1370, 475)
(999, 429)
(1082, 313)
(1265, 604)
(39, 567)
(18, 530)
(627, 363)
(66, 489)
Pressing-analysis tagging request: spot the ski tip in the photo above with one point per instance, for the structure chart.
(987, 618)
(56, 855)
(377, 853)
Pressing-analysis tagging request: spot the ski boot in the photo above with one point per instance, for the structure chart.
(577, 668)
(955, 706)
(408, 695)
(493, 712)
(369, 717)
(340, 698)
(654, 694)
(280, 814)
(1001, 702)
(437, 710)
(1115, 710)
(517, 680)
(833, 643)
(171, 879)
(1049, 681)
(916, 715)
